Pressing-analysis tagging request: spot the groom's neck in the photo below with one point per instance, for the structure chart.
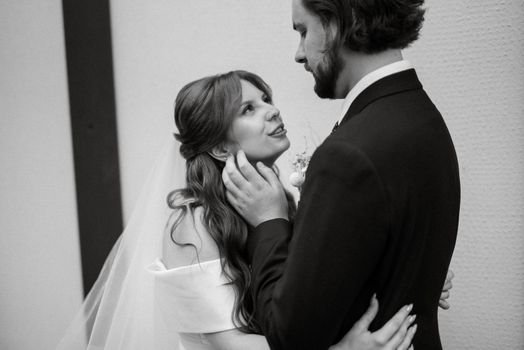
(357, 65)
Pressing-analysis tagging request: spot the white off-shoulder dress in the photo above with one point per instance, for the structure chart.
(193, 300)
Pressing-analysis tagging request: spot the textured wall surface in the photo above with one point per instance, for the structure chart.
(469, 60)
(40, 275)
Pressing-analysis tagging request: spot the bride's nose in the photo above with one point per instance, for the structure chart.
(274, 113)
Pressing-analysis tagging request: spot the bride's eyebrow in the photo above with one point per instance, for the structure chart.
(246, 102)
(252, 101)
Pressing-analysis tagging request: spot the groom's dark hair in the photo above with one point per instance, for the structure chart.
(370, 26)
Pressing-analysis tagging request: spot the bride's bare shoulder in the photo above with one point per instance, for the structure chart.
(189, 242)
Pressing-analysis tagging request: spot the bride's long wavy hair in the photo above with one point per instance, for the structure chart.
(204, 112)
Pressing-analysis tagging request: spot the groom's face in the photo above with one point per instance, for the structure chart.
(316, 50)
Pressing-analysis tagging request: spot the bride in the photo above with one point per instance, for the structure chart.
(178, 278)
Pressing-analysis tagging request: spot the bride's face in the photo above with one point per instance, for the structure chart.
(258, 128)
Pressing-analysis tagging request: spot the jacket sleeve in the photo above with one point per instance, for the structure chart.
(303, 295)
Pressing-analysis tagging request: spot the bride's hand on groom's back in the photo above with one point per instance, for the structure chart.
(256, 194)
(396, 334)
(448, 284)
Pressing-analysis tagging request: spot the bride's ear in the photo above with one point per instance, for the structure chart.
(220, 152)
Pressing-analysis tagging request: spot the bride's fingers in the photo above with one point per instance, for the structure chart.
(444, 295)
(408, 339)
(448, 285)
(385, 333)
(444, 304)
(400, 335)
(363, 323)
(442, 301)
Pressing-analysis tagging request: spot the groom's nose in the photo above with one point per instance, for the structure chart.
(300, 56)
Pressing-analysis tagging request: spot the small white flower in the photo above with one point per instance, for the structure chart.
(301, 160)
(297, 178)
(300, 163)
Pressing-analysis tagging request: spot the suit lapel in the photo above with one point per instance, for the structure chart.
(392, 84)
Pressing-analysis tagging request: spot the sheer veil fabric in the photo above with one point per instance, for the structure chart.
(119, 312)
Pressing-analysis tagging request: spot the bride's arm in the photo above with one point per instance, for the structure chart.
(397, 333)
(235, 339)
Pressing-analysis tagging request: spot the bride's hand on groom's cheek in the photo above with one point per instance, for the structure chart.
(256, 194)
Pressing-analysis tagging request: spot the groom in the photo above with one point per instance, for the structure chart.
(380, 205)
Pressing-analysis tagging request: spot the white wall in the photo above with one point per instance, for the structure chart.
(469, 59)
(38, 229)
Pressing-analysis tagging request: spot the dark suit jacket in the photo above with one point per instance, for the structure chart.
(378, 213)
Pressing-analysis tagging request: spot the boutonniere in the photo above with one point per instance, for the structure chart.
(300, 164)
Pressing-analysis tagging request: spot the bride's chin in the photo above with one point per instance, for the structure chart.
(270, 159)
(286, 145)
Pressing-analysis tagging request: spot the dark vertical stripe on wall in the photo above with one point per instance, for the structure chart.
(93, 121)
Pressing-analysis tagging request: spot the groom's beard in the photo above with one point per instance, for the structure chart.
(327, 74)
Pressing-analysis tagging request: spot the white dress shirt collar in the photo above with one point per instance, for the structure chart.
(369, 79)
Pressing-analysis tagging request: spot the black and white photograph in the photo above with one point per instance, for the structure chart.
(261, 175)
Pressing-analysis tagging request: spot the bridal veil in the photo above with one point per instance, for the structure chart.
(119, 311)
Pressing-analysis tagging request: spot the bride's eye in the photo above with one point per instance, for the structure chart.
(247, 108)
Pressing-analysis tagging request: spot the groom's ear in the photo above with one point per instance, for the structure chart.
(220, 152)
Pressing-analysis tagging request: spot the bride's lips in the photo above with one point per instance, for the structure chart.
(278, 131)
